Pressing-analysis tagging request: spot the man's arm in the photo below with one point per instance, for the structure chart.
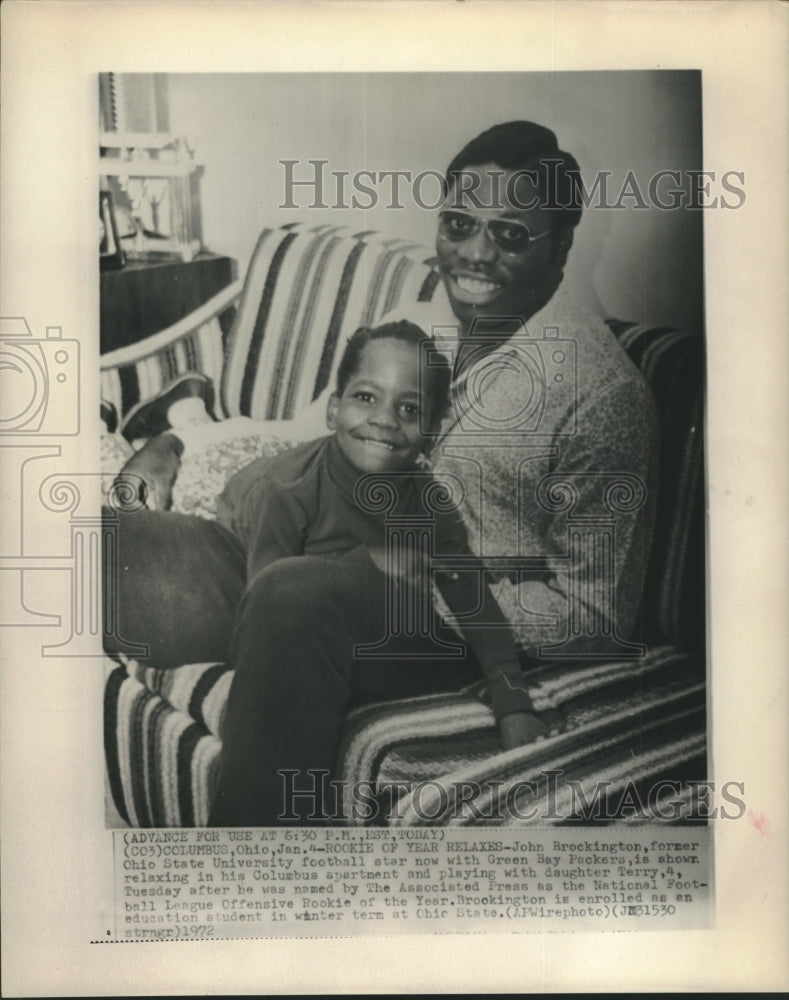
(523, 491)
(593, 590)
(496, 654)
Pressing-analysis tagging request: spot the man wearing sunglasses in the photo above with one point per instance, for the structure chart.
(546, 400)
(507, 223)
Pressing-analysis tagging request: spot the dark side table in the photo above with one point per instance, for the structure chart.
(147, 296)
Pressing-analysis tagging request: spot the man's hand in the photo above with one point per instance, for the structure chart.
(519, 728)
(156, 464)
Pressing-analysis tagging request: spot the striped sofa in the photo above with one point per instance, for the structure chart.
(637, 729)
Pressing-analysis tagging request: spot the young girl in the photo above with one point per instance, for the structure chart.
(317, 604)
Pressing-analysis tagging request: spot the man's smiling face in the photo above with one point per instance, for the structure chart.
(482, 279)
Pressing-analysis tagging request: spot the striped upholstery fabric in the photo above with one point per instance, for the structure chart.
(629, 721)
(161, 762)
(673, 364)
(306, 290)
(305, 293)
(145, 372)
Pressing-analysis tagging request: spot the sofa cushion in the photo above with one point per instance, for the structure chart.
(148, 368)
(672, 361)
(161, 763)
(306, 291)
(204, 473)
(627, 718)
(635, 719)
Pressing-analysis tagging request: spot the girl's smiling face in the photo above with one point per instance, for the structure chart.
(379, 417)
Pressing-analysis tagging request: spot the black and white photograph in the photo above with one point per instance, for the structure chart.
(556, 260)
(386, 570)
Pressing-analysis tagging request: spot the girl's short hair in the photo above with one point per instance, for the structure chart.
(437, 375)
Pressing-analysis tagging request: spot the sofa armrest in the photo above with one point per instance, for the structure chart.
(195, 343)
(158, 342)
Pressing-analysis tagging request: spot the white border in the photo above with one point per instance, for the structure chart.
(51, 878)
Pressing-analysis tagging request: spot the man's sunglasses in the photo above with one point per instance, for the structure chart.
(508, 235)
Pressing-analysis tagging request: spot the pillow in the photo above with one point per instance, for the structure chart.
(306, 290)
(205, 472)
(115, 453)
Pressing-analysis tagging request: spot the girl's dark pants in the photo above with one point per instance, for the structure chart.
(290, 635)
